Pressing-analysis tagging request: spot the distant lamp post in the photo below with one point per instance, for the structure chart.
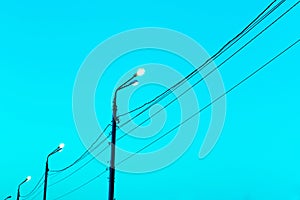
(58, 149)
(129, 82)
(28, 178)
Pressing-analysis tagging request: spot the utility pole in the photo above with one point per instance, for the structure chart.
(113, 151)
(58, 149)
(129, 82)
(18, 194)
(28, 178)
(46, 179)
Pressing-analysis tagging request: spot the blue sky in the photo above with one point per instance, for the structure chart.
(43, 45)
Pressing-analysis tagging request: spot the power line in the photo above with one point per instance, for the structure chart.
(222, 50)
(227, 59)
(81, 186)
(40, 192)
(215, 100)
(77, 188)
(210, 60)
(225, 47)
(91, 148)
(254, 23)
(36, 187)
(85, 164)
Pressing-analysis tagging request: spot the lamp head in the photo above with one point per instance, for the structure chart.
(61, 146)
(28, 178)
(134, 83)
(140, 72)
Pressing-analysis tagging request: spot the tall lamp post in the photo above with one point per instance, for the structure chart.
(58, 149)
(28, 178)
(129, 82)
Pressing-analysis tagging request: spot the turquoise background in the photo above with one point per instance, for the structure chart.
(42, 46)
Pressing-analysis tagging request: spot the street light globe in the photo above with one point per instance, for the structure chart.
(28, 178)
(61, 146)
(140, 72)
(134, 83)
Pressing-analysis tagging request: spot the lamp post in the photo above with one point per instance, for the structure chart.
(28, 178)
(58, 149)
(129, 82)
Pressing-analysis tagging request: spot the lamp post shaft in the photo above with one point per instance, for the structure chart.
(46, 180)
(18, 195)
(115, 119)
(113, 153)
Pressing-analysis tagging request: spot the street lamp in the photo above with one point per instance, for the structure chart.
(129, 82)
(140, 72)
(8, 197)
(58, 149)
(28, 178)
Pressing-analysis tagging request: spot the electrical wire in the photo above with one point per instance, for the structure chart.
(81, 186)
(90, 149)
(225, 47)
(247, 43)
(37, 195)
(36, 187)
(227, 59)
(222, 50)
(215, 100)
(78, 169)
(207, 62)
(248, 28)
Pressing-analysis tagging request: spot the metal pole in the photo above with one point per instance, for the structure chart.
(115, 120)
(113, 152)
(18, 195)
(46, 179)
